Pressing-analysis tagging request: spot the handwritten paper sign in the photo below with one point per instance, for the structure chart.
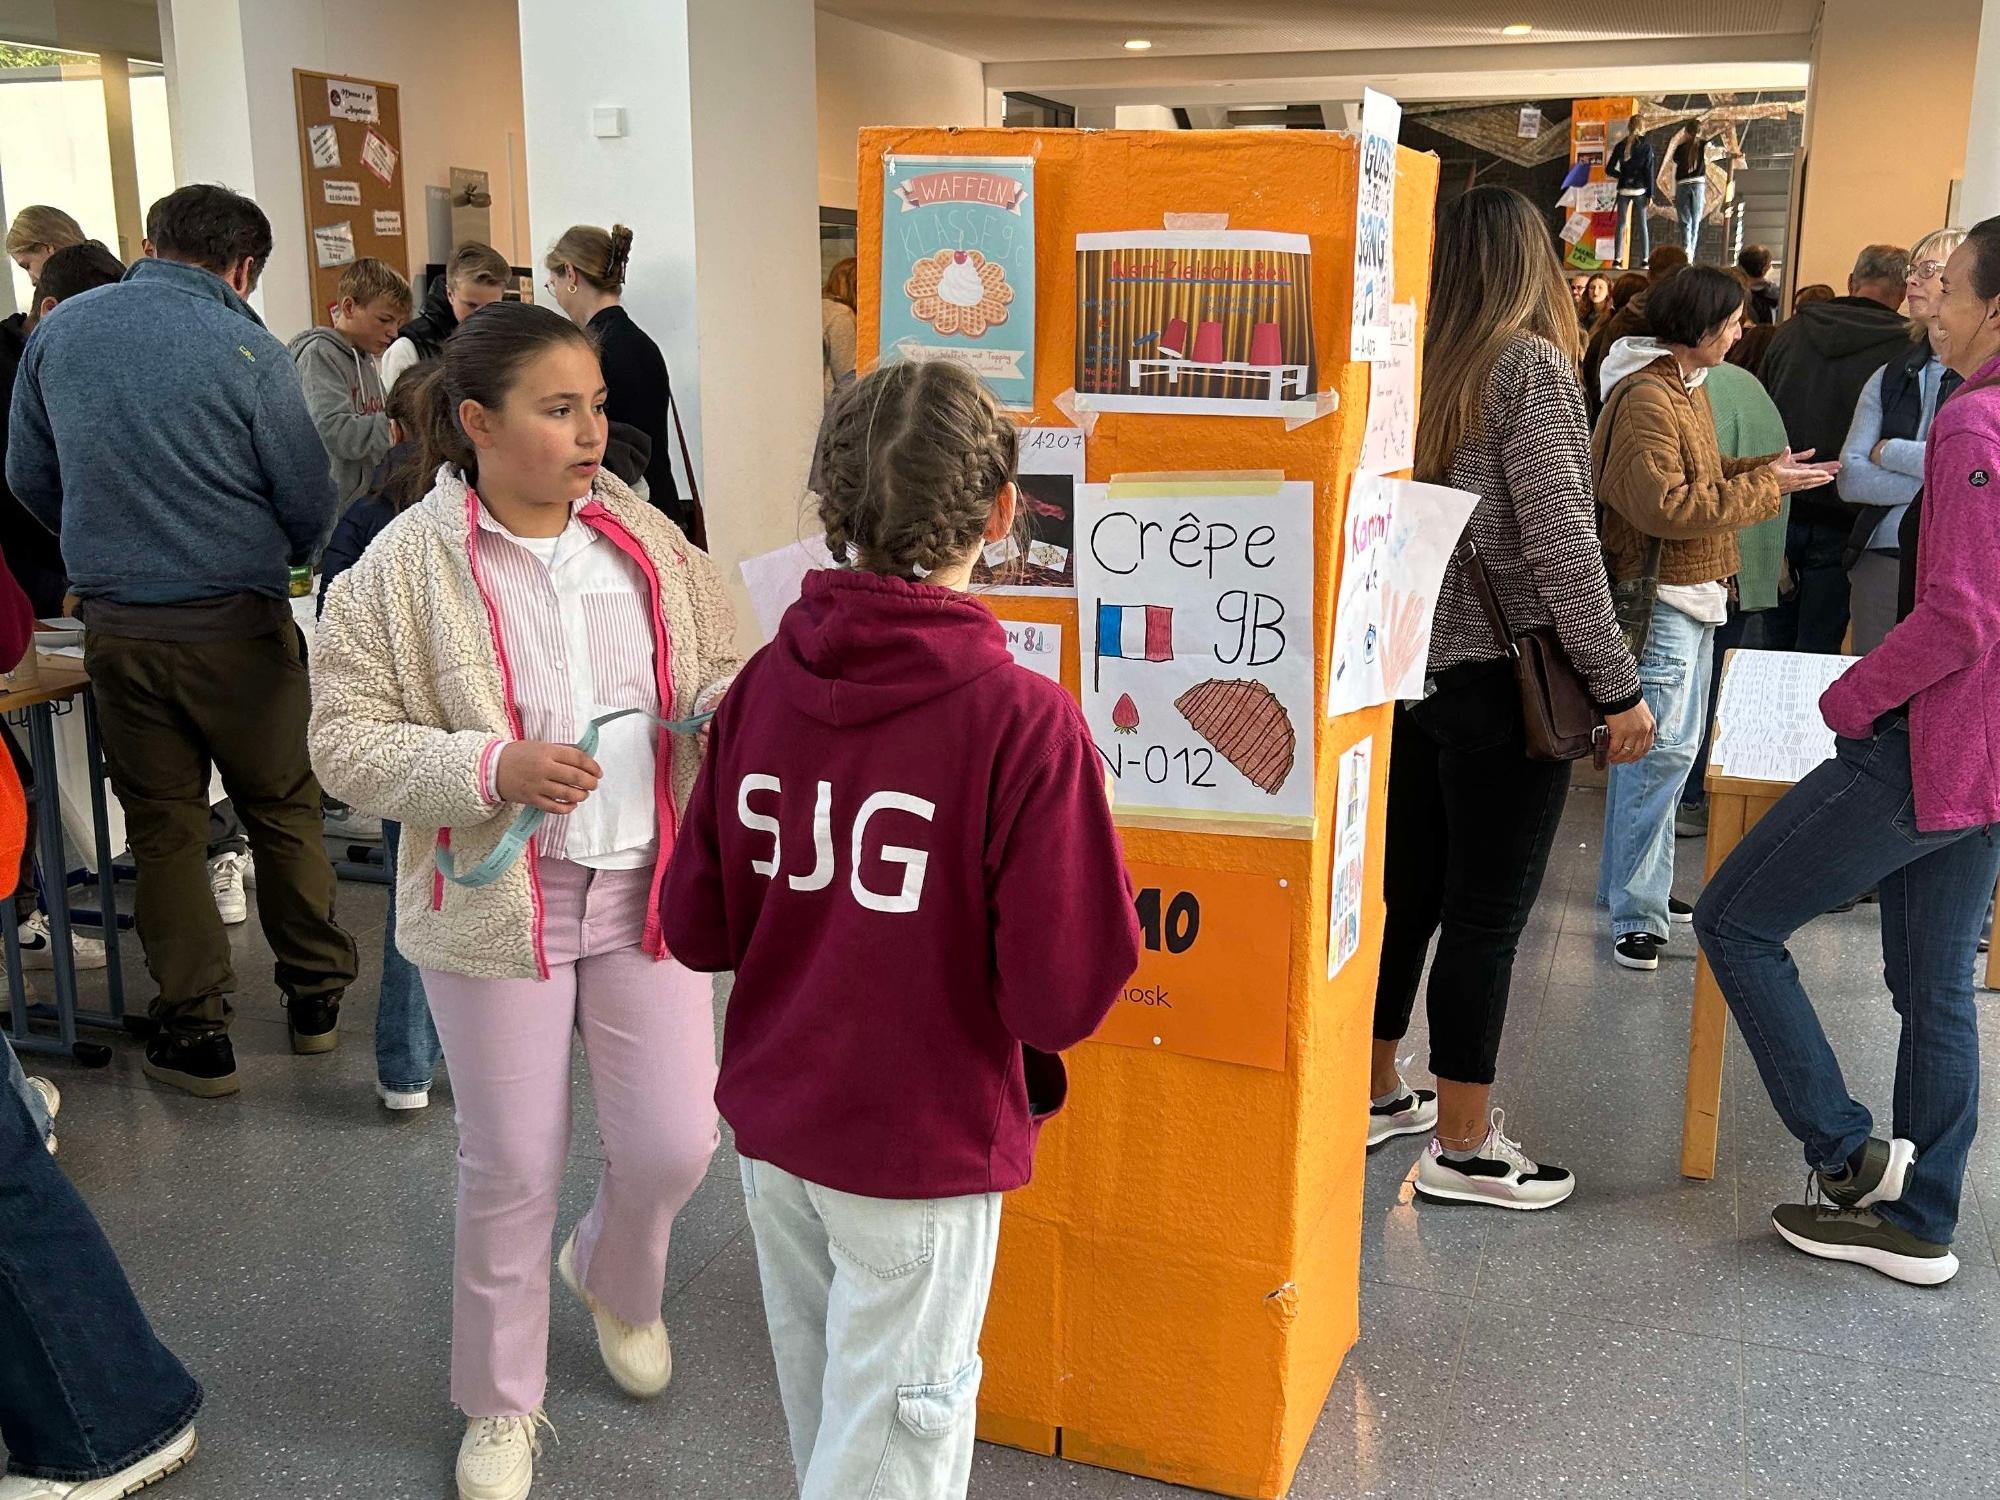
(353, 101)
(1390, 440)
(388, 221)
(325, 144)
(1350, 854)
(1396, 541)
(1767, 721)
(343, 193)
(378, 156)
(1051, 467)
(333, 244)
(1208, 322)
(1375, 226)
(1195, 601)
(1215, 963)
(1530, 128)
(958, 267)
(1576, 227)
(1036, 646)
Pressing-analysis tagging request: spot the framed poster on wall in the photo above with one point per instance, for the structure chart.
(351, 164)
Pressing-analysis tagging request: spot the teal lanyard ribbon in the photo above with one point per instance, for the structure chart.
(522, 829)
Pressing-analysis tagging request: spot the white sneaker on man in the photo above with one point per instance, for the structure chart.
(640, 1359)
(129, 1480)
(496, 1458)
(38, 949)
(51, 1105)
(225, 879)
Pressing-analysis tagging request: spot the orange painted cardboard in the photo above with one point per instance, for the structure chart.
(1213, 968)
(1178, 1285)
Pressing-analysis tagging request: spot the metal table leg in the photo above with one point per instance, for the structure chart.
(49, 832)
(107, 874)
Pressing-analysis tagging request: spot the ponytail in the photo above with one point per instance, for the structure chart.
(434, 425)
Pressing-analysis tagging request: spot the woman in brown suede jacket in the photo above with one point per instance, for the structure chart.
(1663, 484)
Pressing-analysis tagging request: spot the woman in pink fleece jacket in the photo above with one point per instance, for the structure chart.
(1910, 805)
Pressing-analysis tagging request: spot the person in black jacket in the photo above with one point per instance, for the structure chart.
(476, 276)
(586, 277)
(1815, 369)
(1635, 165)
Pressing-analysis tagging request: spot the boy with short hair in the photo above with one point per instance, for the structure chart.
(475, 277)
(342, 379)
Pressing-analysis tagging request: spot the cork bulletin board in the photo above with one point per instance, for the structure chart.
(351, 163)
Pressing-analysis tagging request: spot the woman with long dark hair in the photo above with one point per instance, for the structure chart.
(1471, 817)
(1908, 806)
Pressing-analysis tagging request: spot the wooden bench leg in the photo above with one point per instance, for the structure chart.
(1993, 948)
(1709, 1028)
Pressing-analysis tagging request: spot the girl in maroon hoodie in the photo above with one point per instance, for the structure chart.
(901, 845)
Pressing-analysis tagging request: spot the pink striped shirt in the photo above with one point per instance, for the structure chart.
(573, 620)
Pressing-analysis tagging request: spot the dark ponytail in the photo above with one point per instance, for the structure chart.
(481, 361)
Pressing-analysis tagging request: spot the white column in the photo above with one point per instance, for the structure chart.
(208, 91)
(715, 173)
(1979, 197)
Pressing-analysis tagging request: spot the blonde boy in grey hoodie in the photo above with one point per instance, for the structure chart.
(340, 370)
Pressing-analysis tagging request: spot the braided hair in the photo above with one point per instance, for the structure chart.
(910, 459)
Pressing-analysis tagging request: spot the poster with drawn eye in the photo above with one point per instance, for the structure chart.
(1041, 559)
(1194, 321)
(1350, 854)
(958, 267)
(1398, 537)
(1375, 226)
(1194, 600)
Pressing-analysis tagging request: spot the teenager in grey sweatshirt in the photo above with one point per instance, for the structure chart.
(343, 389)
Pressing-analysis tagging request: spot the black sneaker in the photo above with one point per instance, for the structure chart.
(315, 1023)
(1638, 950)
(1679, 910)
(1875, 1174)
(1411, 1112)
(1857, 1235)
(203, 1065)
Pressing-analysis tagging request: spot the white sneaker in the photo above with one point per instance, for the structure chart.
(1411, 1112)
(51, 1103)
(225, 879)
(129, 1480)
(641, 1360)
(496, 1458)
(350, 824)
(38, 949)
(1500, 1175)
(402, 1099)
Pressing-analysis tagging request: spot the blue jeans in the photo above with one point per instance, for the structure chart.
(85, 1387)
(1636, 874)
(1635, 210)
(1690, 198)
(406, 1043)
(1848, 826)
(1814, 618)
(17, 1083)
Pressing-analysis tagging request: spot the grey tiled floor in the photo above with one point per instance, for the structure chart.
(1649, 1338)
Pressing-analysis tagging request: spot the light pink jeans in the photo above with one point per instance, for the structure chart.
(649, 1032)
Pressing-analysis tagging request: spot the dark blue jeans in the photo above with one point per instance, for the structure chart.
(1814, 618)
(85, 1387)
(406, 1041)
(1849, 826)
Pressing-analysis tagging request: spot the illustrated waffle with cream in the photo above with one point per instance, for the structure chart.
(1247, 725)
(959, 291)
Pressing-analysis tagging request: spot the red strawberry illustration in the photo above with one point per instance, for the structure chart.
(1125, 715)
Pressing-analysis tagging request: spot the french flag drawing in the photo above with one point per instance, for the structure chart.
(1135, 632)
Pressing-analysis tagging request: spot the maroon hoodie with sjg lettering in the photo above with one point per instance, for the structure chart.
(900, 843)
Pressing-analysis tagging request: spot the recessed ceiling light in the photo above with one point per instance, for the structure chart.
(1519, 28)
(1138, 44)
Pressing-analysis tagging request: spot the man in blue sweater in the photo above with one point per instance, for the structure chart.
(160, 430)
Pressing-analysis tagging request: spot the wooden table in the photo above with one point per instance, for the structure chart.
(63, 687)
(1735, 806)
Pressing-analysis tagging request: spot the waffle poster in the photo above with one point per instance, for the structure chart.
(1194, 598)
(1197, 321)
(958, 267)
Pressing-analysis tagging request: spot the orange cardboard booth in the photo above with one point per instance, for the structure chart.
(1178, 1286)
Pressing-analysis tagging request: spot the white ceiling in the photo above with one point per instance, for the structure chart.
(1026, 31)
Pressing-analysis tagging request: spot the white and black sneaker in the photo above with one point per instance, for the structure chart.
(1411, 1112)
(1680, 911)
(1638, 950)
(1499, 1174)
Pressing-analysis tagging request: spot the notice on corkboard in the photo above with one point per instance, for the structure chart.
(350, 155)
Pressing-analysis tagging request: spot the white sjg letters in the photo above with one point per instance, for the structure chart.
(913, 861)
